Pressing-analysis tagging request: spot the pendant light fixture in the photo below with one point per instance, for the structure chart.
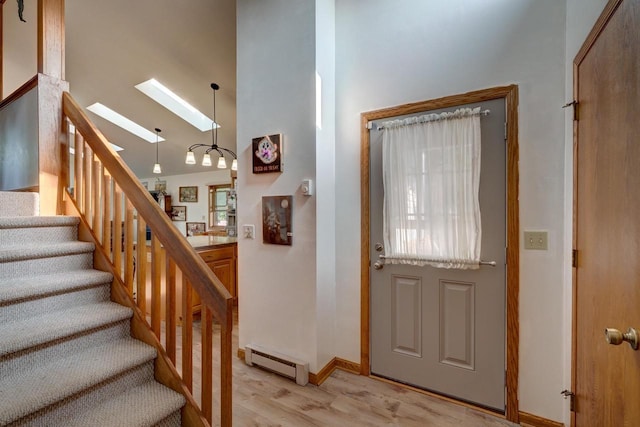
(206, 158)
(156, 167)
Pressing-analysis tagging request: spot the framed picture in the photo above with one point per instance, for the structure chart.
(178, 213)
(188, 194)
(276, 220)
(195, 228)
(267, 154)
(161, 186)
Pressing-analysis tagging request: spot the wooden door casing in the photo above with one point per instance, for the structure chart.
(606, 379)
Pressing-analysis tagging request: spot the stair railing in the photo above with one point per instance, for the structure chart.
(118, 210)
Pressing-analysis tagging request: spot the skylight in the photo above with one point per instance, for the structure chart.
(120, 120)
(178, 106)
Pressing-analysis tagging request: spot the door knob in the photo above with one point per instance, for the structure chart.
(615, 337)
(378, 265)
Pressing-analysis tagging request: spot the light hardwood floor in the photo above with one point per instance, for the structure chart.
(264, 399)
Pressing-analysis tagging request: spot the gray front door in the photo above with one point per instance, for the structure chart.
(443, 330)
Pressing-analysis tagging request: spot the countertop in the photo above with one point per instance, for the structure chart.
(200, 243)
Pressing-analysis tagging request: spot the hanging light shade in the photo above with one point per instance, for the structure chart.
(156, 166)
(191, 158)
(222, 164)
(206, 159)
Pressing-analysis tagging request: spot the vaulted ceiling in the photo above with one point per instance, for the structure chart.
(186, 45)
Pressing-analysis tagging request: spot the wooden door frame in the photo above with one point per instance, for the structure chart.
(510, 94)
(597, 29)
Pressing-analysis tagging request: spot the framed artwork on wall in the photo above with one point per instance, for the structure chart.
(161, 185)
(196, 228)
(178, 213)
(267, 154)
(276, 220)
(188, 194)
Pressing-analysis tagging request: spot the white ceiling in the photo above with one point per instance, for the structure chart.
(186, 45)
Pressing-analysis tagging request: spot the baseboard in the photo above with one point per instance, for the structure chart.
(527, 419)
(320, 377)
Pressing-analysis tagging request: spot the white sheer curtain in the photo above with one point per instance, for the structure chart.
(431, 178)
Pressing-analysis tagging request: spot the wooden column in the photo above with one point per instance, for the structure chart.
(1, 50)
(51, 38)
(51, 84)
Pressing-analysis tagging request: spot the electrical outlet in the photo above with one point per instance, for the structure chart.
(536, 240)
(249, 231)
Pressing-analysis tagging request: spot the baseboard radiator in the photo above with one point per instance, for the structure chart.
(280, 364)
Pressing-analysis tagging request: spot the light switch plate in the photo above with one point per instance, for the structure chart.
(536, 240)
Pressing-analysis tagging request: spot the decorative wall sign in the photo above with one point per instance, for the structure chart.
(178, 213)
(267, 154)
(188, 194)
(276, 220)
(161, 185)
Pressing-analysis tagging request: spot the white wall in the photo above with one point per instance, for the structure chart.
(276, 93)
(20, 45)
(581, 16)
(196, 212)
(390, 53)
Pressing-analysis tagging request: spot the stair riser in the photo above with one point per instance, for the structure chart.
(20, 236)
(38, 356)
(25, 310)
(18, 204)
(175, 420)
(58, 414)
(32, 267)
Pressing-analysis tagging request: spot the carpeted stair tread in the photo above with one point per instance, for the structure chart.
(38, 221)
(34, 287)
(145, 405)
(34, 251)
(23, 393)
(21, 335)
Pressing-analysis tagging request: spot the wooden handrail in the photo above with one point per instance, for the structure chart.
(107, 195)
(193, 267)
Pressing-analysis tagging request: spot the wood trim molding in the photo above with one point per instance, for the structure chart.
(510, 94)
(602, 21)
(527, 419)
(323, 374)
(18, 93)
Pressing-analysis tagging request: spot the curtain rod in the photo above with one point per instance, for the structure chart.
(370, 124)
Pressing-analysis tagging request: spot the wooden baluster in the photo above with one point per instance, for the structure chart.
(129, 257)
(156, 286)
(226, 372)
(88, 182)
(117, 230)
(78, 190)
(96, 195)
(170, 313)
(187, 334)
(141, 266)
(107, 235)
(207, 364)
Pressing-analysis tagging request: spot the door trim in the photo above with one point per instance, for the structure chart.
(510, 94)
(595, 32)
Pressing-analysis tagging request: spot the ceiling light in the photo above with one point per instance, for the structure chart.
(206, 160)
(178, 106)
(156, 167)
(120, 120)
